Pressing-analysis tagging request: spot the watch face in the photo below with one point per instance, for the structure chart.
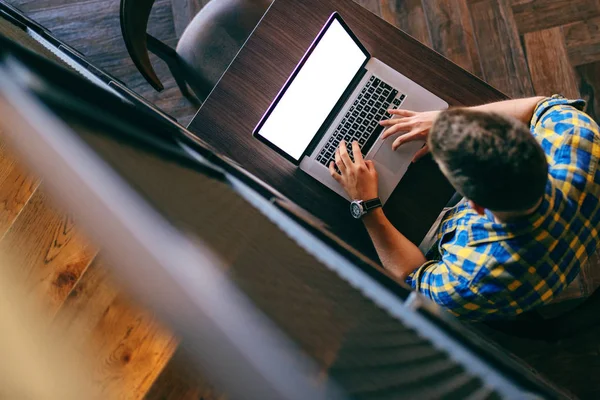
(356, 210)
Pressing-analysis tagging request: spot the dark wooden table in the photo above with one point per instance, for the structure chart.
(228, 116)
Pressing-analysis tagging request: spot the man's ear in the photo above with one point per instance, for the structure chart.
(478, 209)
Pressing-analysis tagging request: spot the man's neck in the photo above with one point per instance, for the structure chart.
(511, 216)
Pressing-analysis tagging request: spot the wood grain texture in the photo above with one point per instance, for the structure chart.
(130, 348)
(535, 15)
(262, 67)
(50, 253)
(469, 37)
(582, 40)
(407, 15)
(502, 59)
(548, 63)
(16, 188)
(589, 87)
(448, 37)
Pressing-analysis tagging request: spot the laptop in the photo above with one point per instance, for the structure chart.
(339, 93)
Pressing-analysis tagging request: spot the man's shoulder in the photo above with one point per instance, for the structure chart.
(556, 108)
(485, 246)
(557, 121)
(571, 140)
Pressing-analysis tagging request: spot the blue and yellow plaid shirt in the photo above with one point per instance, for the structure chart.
(484, 269)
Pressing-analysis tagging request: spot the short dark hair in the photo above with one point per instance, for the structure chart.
(490, 159)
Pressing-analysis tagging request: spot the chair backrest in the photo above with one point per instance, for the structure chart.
(134, 24)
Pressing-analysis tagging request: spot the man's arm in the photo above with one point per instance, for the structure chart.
(359, 178)
(417, 124)
(397, 254)
(521, 109)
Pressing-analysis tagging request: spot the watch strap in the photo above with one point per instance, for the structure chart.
(369, 205)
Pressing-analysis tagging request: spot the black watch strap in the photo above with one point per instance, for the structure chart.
(369, 205)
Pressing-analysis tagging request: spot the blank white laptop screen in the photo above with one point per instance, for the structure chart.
(318, 86)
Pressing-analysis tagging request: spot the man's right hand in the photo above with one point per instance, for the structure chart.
(416, 125)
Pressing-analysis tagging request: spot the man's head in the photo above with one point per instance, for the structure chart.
(492, 160)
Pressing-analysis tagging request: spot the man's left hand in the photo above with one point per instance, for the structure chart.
(358, 178)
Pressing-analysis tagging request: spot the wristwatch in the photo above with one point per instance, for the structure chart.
(358, 208)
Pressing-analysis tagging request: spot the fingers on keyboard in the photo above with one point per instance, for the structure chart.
(361, 122)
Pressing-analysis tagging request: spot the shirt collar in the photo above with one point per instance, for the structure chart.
(485, 229)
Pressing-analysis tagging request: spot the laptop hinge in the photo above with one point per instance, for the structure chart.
(335, 111)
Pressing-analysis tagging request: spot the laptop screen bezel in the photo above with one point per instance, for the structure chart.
(334, 17)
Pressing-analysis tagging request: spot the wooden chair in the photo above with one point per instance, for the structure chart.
(206, 48)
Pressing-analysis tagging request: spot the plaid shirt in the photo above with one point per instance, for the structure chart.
(481, 269)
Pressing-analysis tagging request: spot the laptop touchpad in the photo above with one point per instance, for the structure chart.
(396, 161)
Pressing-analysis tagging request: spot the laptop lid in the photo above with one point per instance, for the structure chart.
(304, 107)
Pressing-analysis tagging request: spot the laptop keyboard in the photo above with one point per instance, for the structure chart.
(361, 122)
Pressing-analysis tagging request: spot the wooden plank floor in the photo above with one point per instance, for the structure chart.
(522, 47)
(485, 37)
(54, 261)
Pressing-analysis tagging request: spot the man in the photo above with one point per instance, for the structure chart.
(530, 214)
